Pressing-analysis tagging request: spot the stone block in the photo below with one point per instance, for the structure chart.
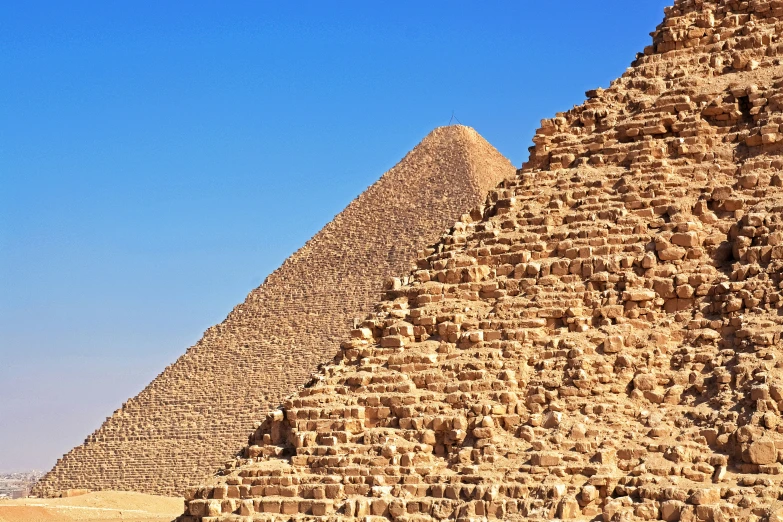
(545, 459)
(705, 496)
(613, 344)
(763, 452)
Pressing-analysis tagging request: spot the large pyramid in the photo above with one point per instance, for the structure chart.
(196, 414)
(601, 342)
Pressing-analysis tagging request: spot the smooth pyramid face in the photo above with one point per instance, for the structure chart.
(196, 414)
(601, 342)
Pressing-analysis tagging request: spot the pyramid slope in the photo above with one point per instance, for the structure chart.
(601, 342)
(196, 414)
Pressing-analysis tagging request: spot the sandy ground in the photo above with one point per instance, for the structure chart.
(101, 506)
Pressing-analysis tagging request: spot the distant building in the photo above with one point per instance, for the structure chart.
(17, 485)
(21, 493)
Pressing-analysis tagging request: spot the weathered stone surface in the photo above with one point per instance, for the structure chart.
(545, 459)
(705, 496)
(671, 510)
(618, 355)
(763, 452)
(196, 414)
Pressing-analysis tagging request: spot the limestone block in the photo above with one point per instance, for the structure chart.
(671, 510)
(197, 508)
(672, 253)
(246, 508)
(639, 294)
(393, 341)
(645, 382)
(545, 459)
(686, 239)
(613, 344)
(214, 508)
(763, 452)
(705, 496)
(552, 419)
(270, 506)
(379, 507)
(569, 509)
(322, 508)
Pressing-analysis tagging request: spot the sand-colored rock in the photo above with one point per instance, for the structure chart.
(628, 279)
(196, 414)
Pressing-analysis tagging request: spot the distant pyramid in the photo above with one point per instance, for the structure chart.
(197, 413)
(602, 342)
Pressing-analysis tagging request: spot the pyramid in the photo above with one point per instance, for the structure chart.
(196, 414)
(600, 342)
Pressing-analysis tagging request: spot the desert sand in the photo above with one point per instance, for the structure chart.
(99, 506)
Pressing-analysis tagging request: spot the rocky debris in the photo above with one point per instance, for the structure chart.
(598, 342)
(196, 414)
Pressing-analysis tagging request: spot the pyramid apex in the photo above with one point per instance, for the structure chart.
(314, 297)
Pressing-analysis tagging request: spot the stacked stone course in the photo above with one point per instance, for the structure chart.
(196, 414)
(601, 341)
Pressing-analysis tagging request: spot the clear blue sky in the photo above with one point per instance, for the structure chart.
(159, 159)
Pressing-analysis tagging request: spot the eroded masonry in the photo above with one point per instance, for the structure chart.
(601, 341)
(197, 413)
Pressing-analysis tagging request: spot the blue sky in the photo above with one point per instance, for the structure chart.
(159, 159)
